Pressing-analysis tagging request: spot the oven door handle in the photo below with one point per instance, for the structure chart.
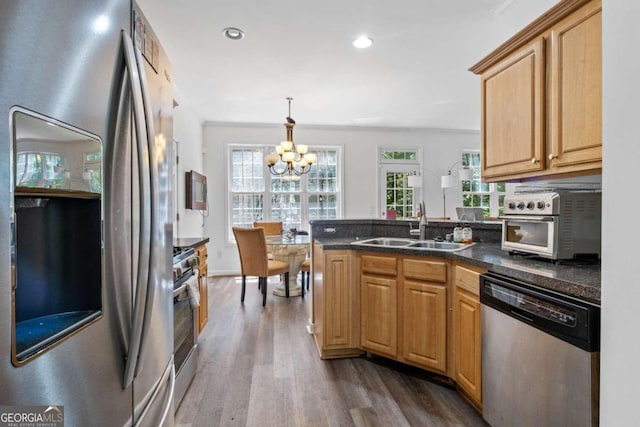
(543, 218)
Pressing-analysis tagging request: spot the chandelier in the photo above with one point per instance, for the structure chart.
(290, 159)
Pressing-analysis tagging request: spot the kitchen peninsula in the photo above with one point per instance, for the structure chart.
(417, 306)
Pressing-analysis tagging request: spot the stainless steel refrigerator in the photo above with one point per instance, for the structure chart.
(86, 316)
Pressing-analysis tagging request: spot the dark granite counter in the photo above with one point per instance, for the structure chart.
(190, 242)
(575, 279)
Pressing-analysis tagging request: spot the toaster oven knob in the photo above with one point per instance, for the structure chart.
(531, 205)
(512, 205)
(521, 205)
(541, 205)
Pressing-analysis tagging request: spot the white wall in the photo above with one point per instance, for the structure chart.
(187, 131)
(441, 148)
(620, 370)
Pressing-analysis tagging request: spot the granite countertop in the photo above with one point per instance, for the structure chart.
(190, 242)
(580, 280)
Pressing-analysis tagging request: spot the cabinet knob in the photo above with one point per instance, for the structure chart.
(534, 160)
(553, 156)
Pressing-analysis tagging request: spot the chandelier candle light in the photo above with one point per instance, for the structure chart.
(290, 159)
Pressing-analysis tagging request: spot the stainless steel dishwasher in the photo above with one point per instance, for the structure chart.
(540, 356)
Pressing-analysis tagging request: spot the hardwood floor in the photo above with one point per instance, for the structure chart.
(259, 367)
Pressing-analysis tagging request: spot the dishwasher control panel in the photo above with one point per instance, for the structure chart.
(574, 321)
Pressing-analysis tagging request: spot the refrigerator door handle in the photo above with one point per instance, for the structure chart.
(144, 245)
(154, 226)
(170, 372)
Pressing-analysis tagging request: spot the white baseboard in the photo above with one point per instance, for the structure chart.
(214, 273)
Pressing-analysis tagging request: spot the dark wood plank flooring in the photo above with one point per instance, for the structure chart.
(259, 367)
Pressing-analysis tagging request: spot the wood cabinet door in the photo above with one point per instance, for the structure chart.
(379, 314)
(513, 99)
(576, 82)
(467, 336)
(203, 309)
(425, 324)
(337, 301)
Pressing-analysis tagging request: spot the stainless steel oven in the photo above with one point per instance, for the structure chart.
(185, 332)
(554, 224)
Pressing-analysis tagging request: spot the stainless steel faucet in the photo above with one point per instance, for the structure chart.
(423, 222)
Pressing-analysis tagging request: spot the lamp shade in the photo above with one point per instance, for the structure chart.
(414, 181)
(446, 181)
(466, 174)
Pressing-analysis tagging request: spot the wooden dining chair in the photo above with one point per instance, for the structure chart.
(273, 228)
(305, 269)
(252, 248)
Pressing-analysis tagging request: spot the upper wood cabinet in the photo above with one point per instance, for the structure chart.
(542, 97)
(512, 113)
(576, 88)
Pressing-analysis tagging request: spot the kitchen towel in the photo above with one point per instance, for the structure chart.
(192, 290)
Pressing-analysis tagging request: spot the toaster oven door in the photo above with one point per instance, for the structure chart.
(530, 234)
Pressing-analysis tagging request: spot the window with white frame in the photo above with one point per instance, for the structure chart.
(395, 166)
(475, 193)
(256, 195)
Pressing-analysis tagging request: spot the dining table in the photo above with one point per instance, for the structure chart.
(292, 249)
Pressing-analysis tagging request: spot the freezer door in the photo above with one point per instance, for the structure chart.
(59, 60)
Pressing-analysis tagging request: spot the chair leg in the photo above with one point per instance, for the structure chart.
(302, 287)
(286, 284)
(264, 290)
(308, 279)
(244, 284)
(302, 278)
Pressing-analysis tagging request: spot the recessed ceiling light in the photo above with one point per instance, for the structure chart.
(363, 42)
(233, 33)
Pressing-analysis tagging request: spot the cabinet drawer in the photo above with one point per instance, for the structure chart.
(380, 265)
(467, 279)
(432, 271)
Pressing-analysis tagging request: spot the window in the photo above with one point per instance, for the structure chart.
(490, 197)
(395, 167)
(247, 186)
(256, 195)
(34, 169)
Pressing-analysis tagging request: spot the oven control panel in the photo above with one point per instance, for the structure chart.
(531, 204)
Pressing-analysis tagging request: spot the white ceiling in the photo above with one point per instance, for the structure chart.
(415, 74)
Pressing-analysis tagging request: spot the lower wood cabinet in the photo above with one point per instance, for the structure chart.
(203, 287)
(467, 332)
(335, 298)
(424, 314)
(403, 311)
(423, 311)
(379, 314)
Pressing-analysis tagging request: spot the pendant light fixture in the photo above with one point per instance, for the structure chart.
(290, 159)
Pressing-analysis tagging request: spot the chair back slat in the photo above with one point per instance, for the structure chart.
(270, 228)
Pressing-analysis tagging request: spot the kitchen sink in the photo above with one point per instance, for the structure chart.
(441, 246)
(385, 241)
(394, 242)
